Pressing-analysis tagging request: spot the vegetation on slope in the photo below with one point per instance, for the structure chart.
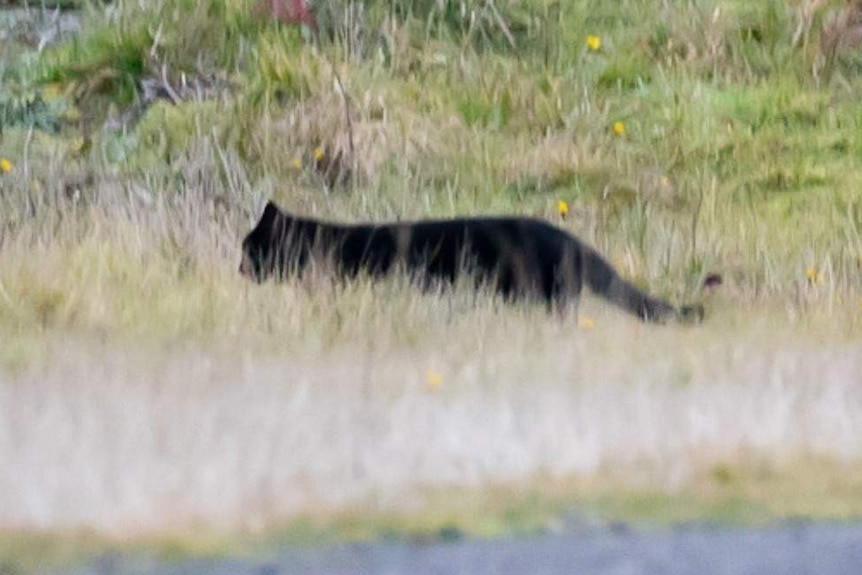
(686, 137)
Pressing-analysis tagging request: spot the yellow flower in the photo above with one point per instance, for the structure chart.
(619, 128)
(5, 166)
(318, 154)
(594, 42)
(813, 276)
(563, 208)
(586, 323)
(296, 163)
(433, 379)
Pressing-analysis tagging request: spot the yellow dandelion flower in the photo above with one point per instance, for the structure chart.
(619, 128)
(813, 276)
(586, 323)
(5, 166)
(563, 208)
(296, 163)
(594, 42)
(318, 154)
(433, 379)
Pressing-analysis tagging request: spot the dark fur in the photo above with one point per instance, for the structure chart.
(523, 258)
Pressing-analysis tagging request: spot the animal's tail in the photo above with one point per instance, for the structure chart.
(603, 280)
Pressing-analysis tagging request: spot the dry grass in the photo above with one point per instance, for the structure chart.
(149, 387)
(132, 438)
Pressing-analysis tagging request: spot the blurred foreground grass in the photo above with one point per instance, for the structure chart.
(501, 422)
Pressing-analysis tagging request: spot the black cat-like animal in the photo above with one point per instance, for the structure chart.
(522, 258)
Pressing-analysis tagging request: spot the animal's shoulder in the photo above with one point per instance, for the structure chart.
(519, 227)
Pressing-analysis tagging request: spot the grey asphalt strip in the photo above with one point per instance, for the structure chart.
(791, 549)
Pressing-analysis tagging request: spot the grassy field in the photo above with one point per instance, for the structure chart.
(146, 389)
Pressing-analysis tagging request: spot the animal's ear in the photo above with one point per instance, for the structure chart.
(269, 212)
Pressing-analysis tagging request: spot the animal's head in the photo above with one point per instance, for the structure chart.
(261, 246)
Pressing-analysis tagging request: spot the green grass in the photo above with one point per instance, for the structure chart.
(120, 225)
